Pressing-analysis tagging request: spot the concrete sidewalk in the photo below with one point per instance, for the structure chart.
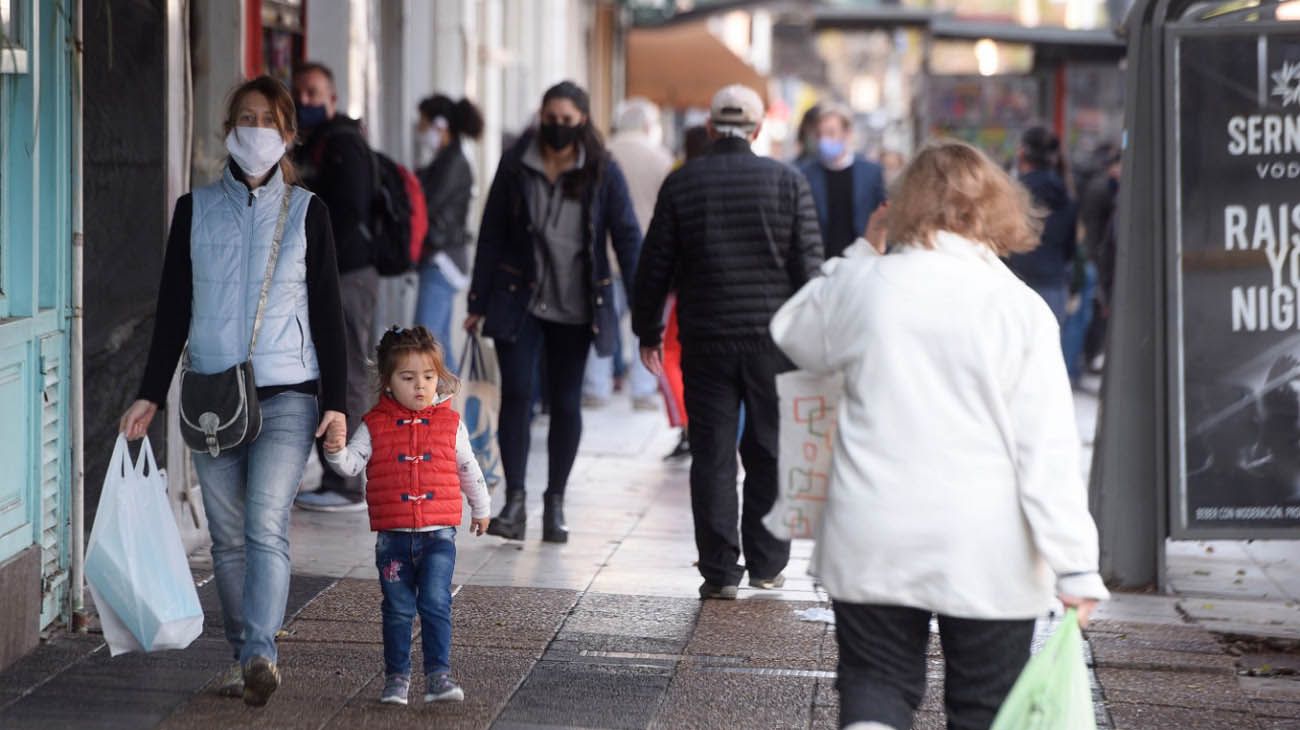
(607, 632)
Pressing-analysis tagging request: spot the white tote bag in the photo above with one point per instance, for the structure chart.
(136, 566)
(809, 404)
(479, 402)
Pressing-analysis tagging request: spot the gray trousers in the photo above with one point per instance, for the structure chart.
(359, 291)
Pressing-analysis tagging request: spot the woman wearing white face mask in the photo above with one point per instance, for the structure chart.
(218, 254)
(447, 182)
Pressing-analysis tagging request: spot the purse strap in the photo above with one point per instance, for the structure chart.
(270, 265)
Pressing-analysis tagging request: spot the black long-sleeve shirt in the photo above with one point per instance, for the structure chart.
(324, 308)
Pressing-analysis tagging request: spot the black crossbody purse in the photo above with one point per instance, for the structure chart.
(220, 411)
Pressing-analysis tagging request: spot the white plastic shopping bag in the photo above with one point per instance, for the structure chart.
(808, 407)
(478, 402)
(136, 566)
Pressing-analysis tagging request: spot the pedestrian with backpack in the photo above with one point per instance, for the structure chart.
(336, 164)
(447, 183)
(542, 287)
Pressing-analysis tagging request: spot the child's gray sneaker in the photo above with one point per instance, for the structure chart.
(442, 688)
(396, 688)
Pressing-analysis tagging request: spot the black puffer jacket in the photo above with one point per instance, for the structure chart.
(736, 235)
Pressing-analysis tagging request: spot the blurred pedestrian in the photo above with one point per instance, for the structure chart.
(696, 143)
(940, 344)
(1098, 207)
(735, 234)
(214, 273)
(542, 287)
(448, 183)
(1047, 268)
(637, 147)
(807, 136)
(892, 163)
(845, 186)
(415, 503)
(336, 164)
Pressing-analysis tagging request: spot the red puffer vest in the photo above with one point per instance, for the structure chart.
(411, 480)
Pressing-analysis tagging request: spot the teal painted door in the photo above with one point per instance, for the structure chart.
(35, 285)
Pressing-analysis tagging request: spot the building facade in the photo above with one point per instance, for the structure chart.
(36, 235)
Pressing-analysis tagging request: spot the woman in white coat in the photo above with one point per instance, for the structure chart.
(956, 485)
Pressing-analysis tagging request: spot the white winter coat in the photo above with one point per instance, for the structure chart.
(956, 483)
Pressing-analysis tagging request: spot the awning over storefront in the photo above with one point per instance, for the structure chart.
(1049, 43)
(682, 65)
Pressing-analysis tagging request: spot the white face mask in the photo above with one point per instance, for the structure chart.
(255, 149)
(432, 139)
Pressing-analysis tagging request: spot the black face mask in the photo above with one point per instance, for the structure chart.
(559, 136)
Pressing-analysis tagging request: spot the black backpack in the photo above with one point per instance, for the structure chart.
(393, 217)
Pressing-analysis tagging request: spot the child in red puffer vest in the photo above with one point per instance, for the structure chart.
(418, 462)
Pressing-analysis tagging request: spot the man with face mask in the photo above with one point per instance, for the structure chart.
(337, 165)
(846, 187)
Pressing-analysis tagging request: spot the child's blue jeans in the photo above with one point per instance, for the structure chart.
(415, 574)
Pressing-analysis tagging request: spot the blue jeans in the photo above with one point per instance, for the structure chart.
(1057, 297)
(415, 575)
(247, 495)
(437, 296)
(1075, 329)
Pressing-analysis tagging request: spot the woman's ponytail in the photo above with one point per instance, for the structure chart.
(466, 120)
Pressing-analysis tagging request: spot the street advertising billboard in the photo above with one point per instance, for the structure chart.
(1235, 295)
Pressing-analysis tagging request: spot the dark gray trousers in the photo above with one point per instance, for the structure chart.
(359, 291)
(881, 674)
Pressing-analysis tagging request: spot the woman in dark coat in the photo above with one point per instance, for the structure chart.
(542, 287)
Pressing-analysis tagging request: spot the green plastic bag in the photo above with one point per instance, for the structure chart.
(1052, 692)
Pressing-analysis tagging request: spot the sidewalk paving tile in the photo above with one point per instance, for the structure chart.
(751, 700)
(566, 694)
(488, 678)
(638, 616)
(1251, 618)
(1128, 653)
(1173, 689)
(351, 599)
(1149, 717)
(509, 618)
(316, 681)
(1139, 608)
(1186, 638)
(727, 628)
(336, 632)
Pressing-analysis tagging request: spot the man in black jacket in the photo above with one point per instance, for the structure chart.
(336, 164)
(736, 235)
